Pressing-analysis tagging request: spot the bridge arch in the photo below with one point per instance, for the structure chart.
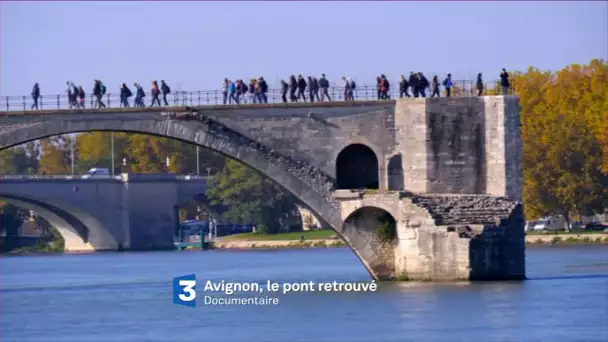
(357, 167)
(75, 233)
(308, 184)
(376, 231)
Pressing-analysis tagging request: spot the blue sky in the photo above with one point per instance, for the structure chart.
(193, 45)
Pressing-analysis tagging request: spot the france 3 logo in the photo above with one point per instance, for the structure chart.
(184, 290)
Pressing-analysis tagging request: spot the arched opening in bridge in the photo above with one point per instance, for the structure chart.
(27, 223)
(357, 168)
(395, 173)
(376, 223)
(373, 232)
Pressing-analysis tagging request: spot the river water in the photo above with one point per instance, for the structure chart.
(128, 297)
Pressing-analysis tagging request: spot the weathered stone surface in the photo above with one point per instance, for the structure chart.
(433, 242)
(465, 209)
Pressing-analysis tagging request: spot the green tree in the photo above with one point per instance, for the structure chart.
(19, 160)
(11, 220)
(250, 198)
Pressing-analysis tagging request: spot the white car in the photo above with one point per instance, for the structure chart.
(550, 223)
(97, 173)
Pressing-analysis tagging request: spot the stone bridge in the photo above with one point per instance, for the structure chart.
(130, 211)
(432, 159)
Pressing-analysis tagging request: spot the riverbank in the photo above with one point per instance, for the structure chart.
(260, 243)
(567, 239)
(273, 244)
(328, 239)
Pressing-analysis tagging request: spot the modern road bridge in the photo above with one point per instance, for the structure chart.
(129, 211)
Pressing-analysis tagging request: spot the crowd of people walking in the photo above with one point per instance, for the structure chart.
(295, 89)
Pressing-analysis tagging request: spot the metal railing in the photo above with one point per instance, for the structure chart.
(217, 97)
(130, 176)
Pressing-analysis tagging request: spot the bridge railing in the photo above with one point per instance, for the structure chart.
(50, 177)
(140, 176)
(216, 97)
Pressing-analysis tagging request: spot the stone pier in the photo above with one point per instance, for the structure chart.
(437, 237)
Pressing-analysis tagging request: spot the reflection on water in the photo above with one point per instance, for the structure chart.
(127, 297)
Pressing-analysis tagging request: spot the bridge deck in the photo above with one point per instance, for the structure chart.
(189, 109)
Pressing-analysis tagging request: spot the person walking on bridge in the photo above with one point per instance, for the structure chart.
(72, 95)
(125, 93)
(403, 85)
(257, 92)
(139, 95)
(301, 87)
(293, 87)
(435, 87)
(252, 84)
(99, 90)
(384, 88)
(348, 90)
(311, 92)
(504, 81)
(225, 85)
(155, 94)
(81, 96)
(447, 83)
(315, 89)
(232, 89)
(35, 95)
(413, 81)
(423, 84)
(284, 90)
(324, 85)
(263, 89)
(479, 85)
(165, 90)
(241, 90)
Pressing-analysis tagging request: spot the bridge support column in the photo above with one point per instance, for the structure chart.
(148, 214)
(436, 237)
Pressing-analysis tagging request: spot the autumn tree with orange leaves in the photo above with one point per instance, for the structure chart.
(564, 119)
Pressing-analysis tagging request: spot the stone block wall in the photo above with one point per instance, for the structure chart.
(439, 237)
(466, 145)
(317, 134)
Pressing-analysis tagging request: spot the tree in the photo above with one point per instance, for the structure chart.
(55, 157)
(11, 220)
(94, 150)
(564, 119)
(249, 198)
(19, 160)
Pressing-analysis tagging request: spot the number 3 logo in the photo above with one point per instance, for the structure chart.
(184, 290)
(189, 291)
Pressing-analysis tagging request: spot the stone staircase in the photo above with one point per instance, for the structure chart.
(465, 209)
